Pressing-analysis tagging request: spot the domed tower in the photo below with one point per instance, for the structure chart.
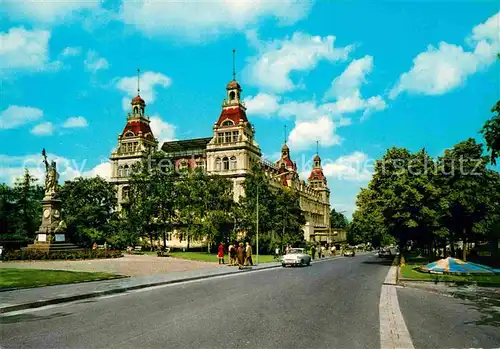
(317, 179)
(233, 148)
(135, 143)
(286, 165)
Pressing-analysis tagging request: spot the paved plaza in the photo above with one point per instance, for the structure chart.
(130, 265)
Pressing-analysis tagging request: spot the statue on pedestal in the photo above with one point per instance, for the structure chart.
(51, 176)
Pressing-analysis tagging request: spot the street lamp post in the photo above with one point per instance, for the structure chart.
(257, 228)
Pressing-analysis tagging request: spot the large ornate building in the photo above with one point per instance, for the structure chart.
(230, 152)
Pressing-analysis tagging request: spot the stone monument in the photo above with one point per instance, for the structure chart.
(51, 235)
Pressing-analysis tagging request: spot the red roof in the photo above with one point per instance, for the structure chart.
(236, 115)
(136, 126)
(317, 173)
(138, 100)
(232, 85)
(317, 158)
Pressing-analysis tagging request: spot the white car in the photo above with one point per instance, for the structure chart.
(296, 256)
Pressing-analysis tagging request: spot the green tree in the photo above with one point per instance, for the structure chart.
(466, 193)
(288, 218)
(87, 205)
(491, 133)
(338, 219)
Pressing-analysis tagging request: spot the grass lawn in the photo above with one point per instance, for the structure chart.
(212, 257)
(21, 278)
(412, 261)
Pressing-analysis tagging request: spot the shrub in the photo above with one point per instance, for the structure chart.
(55, 255)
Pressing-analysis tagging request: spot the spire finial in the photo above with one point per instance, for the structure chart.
(317, 147)
(138, 80)
(285, 135)
(234, 69)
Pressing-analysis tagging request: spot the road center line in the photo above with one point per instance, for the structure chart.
(393, 331)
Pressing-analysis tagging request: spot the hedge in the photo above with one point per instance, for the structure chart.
(52, 255)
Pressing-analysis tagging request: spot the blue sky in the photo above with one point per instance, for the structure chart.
(357, 77)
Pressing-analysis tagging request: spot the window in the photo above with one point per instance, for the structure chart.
(183, 165)
(225, 161)
(233, 163)
(129, 134)
(220, 137)
(227, 137)
(142, 110)
(231, 95)
(200, 165)
(235, 136)
(136, 110)
(217, 164)
(120, 171)
(228, 123)
(125, 192)
(125, 171)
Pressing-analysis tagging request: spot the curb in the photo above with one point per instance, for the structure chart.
(43, 303)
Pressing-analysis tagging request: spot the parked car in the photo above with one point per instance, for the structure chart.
(349, 252)
(296, 257)
(384, 252)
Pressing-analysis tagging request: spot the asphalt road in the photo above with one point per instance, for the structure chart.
(463, 318)
(331, 304)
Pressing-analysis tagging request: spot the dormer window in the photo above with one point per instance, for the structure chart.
(228, 123)
(129, 134)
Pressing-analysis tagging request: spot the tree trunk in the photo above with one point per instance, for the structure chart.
(188, 241)
(464, 252)
(444, 248)
(164, 239)
(431, 250)
(452, 246)
(151, 241)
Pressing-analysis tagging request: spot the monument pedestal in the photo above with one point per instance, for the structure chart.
(51, 234)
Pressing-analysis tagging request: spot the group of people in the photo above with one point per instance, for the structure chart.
(322, 251)
(239, 254)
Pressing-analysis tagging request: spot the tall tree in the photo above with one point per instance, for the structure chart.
(87, 205)
(338, 219)
(491, 133)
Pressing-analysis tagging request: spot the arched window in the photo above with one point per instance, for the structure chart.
(228, 123)
(125, 192)
(142, 110)
(120, 171)
(136, 110)
(225, 163)
(125, 171)
(231, 95)
(129, 134)
(233, 163)
(217, 164)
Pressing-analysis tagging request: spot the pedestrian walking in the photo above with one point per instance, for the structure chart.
(313, 251)
(241, 255)
(277, 253)
(232, 253)
(248, 254)
(323, 251)
(220, 253)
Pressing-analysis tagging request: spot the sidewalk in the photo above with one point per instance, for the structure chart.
(42, 296)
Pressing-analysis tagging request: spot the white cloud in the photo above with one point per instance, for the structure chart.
(48, 11)
(148, 83)
(201, 20)
(75, 121)
(262, 104)
(162, 130)
(352, 167)
(306, 133)
(43, 129)
(71, 51)
(446, 67)
(12, 167)
(346, 89)
(278, 59)
(24, 49)
(94, 63)
(15, 116)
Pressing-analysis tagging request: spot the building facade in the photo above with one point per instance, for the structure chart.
(230, 151)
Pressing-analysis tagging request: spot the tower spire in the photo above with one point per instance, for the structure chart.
(138, 81)
(234, 68)
(285, 135)
(317, 147)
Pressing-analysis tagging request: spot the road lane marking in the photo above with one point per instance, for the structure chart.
(393, 331)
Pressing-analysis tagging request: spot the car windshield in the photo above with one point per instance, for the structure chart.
(296, 250)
